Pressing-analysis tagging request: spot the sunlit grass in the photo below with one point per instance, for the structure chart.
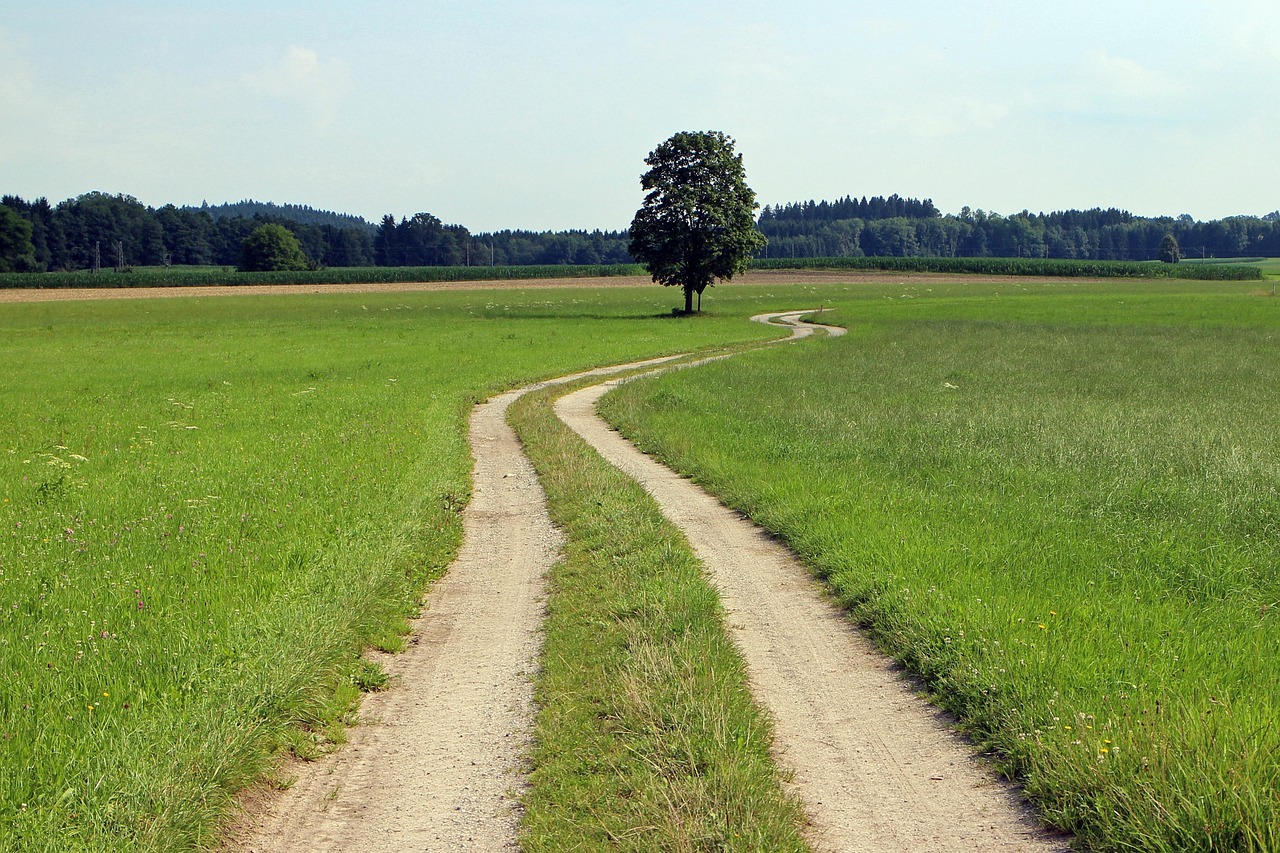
(1060, 505)
(209, 506)
(647, 736)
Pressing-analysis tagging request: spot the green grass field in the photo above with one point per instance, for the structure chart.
(1059, 504)
(1056, 501)
(208, 506)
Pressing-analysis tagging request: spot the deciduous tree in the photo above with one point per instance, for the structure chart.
(271, 247)
(698, 219)
(17, 254)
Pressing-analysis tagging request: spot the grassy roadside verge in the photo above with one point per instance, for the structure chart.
(1057, 505)
(647, 737)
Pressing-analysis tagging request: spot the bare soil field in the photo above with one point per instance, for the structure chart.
(769, 277)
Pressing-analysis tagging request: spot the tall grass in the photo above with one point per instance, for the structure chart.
(207, 507)
(1059, 506)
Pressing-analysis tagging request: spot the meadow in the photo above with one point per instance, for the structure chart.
(209, 506)
(1057, 504)
(1054, 501)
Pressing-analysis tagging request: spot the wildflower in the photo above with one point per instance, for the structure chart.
(1043, 627)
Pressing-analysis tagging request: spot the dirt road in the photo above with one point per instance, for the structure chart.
(436, 764)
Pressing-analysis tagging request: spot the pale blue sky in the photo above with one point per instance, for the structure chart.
(539, 114)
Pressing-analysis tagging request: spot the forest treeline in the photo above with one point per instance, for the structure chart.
(897, 227)
(101, 230)
(97, 230)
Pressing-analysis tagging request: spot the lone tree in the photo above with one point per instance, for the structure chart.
(269, 248)
(1169, 251)
(698, 222)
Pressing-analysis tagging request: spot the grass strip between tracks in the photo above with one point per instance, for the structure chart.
(647, 736)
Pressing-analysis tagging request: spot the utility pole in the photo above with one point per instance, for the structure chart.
(97, 256)
(119, 256)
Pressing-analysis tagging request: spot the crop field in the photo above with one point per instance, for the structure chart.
(208, 506)
(207, 276)
(1056, 503)
(1226, 270)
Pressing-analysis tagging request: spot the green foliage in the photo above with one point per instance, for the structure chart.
(697, 222)
(1169, 252)
(1046, 267)
(271, 248)
(897, 226)
(17, 253)
(209, 506)
(1056, 503)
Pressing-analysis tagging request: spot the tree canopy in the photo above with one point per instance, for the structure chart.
(17, 253)
(272, 247)
(698, 222)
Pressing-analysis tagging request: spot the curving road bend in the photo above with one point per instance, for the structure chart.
(877, 768)
(436, 763)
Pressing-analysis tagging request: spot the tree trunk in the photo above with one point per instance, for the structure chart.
(688, 300)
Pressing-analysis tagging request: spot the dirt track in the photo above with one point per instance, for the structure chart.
(436, 763)
(437, 766)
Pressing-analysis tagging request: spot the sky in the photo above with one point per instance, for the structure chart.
(539, 115)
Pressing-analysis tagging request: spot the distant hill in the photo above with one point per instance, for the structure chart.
(300, 213)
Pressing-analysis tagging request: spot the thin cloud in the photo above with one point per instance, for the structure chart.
(301, 76)
(1118, 76)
